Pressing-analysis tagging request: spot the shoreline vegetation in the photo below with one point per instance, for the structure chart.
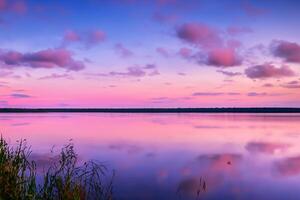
(63, 179)
(154, 110)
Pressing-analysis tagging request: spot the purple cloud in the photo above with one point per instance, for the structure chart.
(72, 36)
(122, 50)
(261, 94)
(49, 58)
(164, 18)
(200, 35)
(289, 51)
(95, 37)
(291, 85)
(268, 70)
(19, 7)
(268, 85)
(88, 38)
(4, 74)
(185, 53)
(228, 73)
(20, 95)
(265, 147)
(256, 94)
(131, 72)
(150, 66)
(237, 30)
(56, 76)
(289, 166)
(163, 52)
(2, 4)
(207, 94)
(134, 71)
(252, 10)
(215, 93)
(225, 57)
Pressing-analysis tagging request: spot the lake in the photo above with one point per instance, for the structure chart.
(170, 156)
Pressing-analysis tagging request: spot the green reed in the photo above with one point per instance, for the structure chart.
(64, 178)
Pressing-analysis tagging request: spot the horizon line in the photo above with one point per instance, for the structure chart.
(158, 110)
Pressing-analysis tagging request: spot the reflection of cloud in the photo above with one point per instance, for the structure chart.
(216, 170)
(129, 148)
(43, 161)
(190, 187)
(289, 166)
(162, 175)
(150, 154)
(220, 161)
(265, 147)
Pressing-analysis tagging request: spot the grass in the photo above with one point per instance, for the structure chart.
(64, 179)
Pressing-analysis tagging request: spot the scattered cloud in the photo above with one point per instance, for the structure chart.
(185, 53)
(122, 50)
(215, 93)
(131, 71)
(87, 38)
(150, 66)
(4, 74)
(200, 35)
(56, 76)
(268, 70)
(164, 18)
(214, 50)
(230, 74)
(266, 147)
(49, 58)
(134, 71)
(261, 94)
(72, 36)
(291, 85)
(257, 94)
(19, 6)
(252, 10)
(289, 51)
(95, 37)
(162, 51)
(20, 95)
(289, 166)
(268, 85)
(238, 30)
(225, 57)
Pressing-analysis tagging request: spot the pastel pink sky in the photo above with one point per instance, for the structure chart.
(149, 53)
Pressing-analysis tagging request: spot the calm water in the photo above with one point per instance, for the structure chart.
(163, 156)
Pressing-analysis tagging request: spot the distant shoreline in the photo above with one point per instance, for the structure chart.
(151, 110)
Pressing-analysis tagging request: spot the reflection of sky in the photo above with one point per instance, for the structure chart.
(163, 156)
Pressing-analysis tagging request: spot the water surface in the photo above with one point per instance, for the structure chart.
(164, 156)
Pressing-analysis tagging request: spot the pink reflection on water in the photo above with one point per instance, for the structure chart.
(235, 154)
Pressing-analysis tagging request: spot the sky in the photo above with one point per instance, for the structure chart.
(149, 53)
